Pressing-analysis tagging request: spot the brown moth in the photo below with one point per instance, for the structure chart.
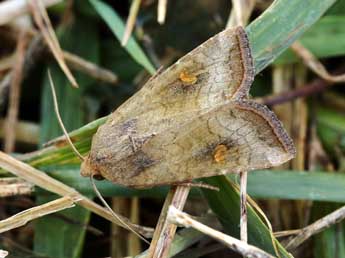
(191, 121)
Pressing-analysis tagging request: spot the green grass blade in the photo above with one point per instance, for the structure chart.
(116, 25)
(262, 184)
(297, 185)
(285, 20)
(328, 29)
(331, 129)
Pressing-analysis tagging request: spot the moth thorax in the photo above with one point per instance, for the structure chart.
(219, 153)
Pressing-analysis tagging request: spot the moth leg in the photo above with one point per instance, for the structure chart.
(243, 196)
(200, 185)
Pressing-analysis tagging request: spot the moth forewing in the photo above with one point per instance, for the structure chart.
(191, 121)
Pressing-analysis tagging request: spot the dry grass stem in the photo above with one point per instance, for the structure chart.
(3, 253)
(22, 218)
(91, 69)
(132, 17)
(14, 99)
(11, 9)
(314, 64)
(133, 242)
(32, 53)
(287, 233)
(257, 208)
(243, 196)
(7, 62)
(165, 230)
(316, 227)
(38, 47)
(42, 20)
(180, 218)
(240, 13)
(44, 181)
(11, 186)
(25, 132)
(160, 223)
(162, 11)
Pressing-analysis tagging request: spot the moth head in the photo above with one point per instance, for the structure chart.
(87, 170)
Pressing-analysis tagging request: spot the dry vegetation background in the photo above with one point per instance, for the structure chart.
(82, 45)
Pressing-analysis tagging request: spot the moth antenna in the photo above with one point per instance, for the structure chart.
(56, 108)
(126, 225)
(57, 112)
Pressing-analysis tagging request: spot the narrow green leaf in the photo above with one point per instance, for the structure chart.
(280, 25)
(331, 129)
(116, 25)
(297, 185)
(262, 184)
(318, 38)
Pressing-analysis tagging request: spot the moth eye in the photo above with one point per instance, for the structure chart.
(219, 153)
(187, 78)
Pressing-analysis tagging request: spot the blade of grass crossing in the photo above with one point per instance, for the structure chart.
(116, 25)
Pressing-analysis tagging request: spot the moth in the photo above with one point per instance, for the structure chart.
(191, 121)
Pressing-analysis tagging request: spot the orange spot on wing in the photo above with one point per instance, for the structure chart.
(187, 78)
(219, 153)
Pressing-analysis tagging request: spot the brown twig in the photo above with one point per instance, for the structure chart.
(165, 230)
(314, 87)
(133, 13)
(9, 10)
(180, 218)
(314, 64)
(80, 64)
(13, 109)
(11, 186)
(32, 54)
(316, 227)
(22, 218)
